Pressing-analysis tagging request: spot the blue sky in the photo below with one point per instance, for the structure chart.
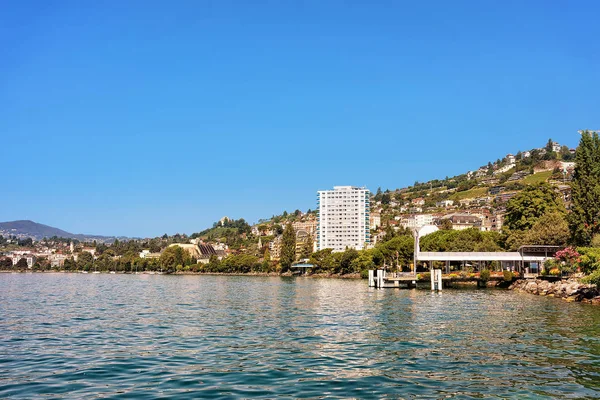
(144, 117)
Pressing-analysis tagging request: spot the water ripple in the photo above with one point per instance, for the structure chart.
(119, 336)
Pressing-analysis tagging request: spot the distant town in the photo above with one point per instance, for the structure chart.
(346, 218)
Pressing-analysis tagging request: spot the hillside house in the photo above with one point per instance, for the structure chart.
(462, 221)
(445, 203)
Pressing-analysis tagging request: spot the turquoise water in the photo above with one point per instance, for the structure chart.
(152, 336)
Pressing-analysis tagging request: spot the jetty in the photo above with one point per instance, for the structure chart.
(527, 261)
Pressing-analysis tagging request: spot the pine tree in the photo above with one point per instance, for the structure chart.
(288, 248)
(307, 248)
(585, 190)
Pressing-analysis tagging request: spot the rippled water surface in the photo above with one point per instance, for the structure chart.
(152, 336)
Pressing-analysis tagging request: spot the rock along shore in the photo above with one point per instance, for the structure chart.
(569, 290)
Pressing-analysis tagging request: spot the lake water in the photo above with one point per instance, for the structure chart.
(153, 336)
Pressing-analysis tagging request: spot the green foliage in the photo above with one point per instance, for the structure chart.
(585, 190)
(242, 263)
(508, 276)
(550, 229)
(173, 256)
(364, 262)
(484, 275)
(535, 179)
(593, 278)
(345, 261)
(524, 210)
(470, 193)
(446, 224)
(307, 248)
(470, 239)
(288, 248)
(595, 240)
(589, 260)
(399, 250)
(323, 260)
(85, 261)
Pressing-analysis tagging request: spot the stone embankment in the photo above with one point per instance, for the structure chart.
(570, 290)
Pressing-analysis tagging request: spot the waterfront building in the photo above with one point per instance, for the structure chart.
(343, 218)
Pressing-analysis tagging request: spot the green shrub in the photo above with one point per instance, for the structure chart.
(508, 276)
(425, 276)
(364, 274)
(484, 275)
(593, 278)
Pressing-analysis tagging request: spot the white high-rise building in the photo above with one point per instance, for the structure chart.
(343, 220)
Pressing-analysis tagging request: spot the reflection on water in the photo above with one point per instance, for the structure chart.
(95, 335)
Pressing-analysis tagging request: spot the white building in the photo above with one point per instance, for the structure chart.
(504, 169)
(445, 203)
(375, 221)
(556, 147)
(417, 221)
(343, 218)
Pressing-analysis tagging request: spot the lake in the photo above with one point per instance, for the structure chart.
(157, 336)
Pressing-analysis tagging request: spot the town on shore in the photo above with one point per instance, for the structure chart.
(543, 196)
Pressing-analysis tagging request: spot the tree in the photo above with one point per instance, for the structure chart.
(266, 265)
(5, 263)
(173, 256)
(288, 248)
(551, 229)
(323, 260)
(585, 190)
(446, 224)
(523, 210)
(307, 247)
(22, 264)
(363, 262)
(345, 261)
(85, 261)
(386, 198)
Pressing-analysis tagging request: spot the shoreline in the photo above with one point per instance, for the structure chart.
(570, 290)
(258, 274)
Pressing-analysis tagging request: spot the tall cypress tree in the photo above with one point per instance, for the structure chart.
(584, 220)
(288, 248)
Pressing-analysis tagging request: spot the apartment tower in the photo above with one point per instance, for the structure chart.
(343, 218)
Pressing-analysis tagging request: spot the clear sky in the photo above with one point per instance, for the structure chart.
(144, 117)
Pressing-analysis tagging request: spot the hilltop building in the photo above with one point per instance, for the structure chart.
(343, 220)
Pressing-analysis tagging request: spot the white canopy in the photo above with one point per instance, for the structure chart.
(475, 256)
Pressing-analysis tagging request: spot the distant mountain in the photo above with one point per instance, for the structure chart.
(26, 228)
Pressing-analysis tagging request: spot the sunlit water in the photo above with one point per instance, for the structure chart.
(144, 336)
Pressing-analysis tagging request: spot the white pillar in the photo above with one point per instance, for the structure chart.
(371, 278)
(432, 276)
(439, 278)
